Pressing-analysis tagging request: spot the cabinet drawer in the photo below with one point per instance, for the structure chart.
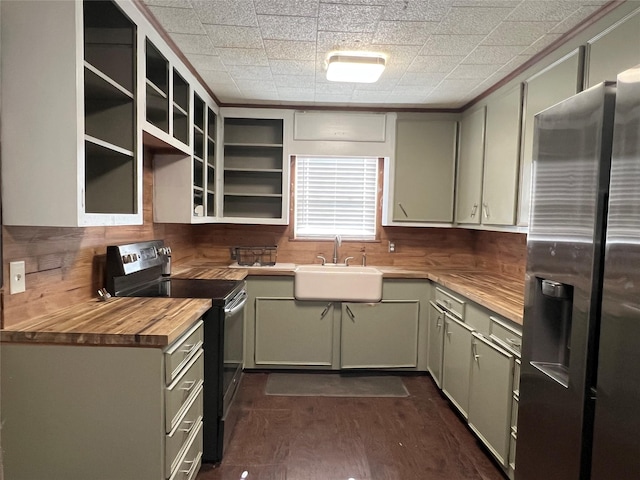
(178, 439)
(507, 335)
(514, 415)
(516, 378)
(449, 302)
(190, 461)
(182, 390)
(512, 451)
(182, 350)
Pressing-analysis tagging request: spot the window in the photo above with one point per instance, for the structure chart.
(336, 196)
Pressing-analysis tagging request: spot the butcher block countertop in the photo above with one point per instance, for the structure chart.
(121, 321)
(501, 294)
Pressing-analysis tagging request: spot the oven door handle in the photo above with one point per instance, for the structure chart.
(236, 304)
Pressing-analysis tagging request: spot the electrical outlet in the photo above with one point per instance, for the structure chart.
(392, 247)
(16, 277)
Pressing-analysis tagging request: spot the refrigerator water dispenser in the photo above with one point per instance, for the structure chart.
(551, 351)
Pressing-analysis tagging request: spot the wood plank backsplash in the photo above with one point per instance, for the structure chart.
(66, 265)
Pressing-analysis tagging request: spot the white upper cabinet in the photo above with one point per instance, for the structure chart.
(470, 164)
(424, 169)
(614, 50)
(255, 176)
(71, 146)
(555, 83)
(501, 159)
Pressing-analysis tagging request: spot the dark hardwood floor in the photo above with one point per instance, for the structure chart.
(335, 438)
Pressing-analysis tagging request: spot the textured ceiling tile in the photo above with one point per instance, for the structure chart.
(290, 50)
(299, 94)
(178, 20)
(205, 62)
(293, 67)
(435, 63)
(188, 43)
(451, 44)
(348, 18)
(542, 43)
(300, 81)
(433, 11)
(397, 54)
(487, 3)
(225, 12)
(381, 3)
(459, 85)
(298, 8)
(472, 20)
(403, 33)
(328, 98)
(473, 71)
(575, 19)
(287, 28)
(249, 71)
(243, 56)
(215, 77)
(382, 84)
(543, 11)
(484, 55)
(169, 3)
(518, 33)
(338, 88)
(421, 79)
(234, 36)
(328, 41)
(369, 96)
(252, 84)
(412, 89)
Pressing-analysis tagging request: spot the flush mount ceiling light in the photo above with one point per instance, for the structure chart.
(355, 67)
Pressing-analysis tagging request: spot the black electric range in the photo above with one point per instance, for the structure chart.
(140, 270)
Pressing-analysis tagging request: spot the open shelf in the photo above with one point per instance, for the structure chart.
(180, 108)
(109, 42)
(253, 131)
(157, 74)
(252, 207)
(110, 185)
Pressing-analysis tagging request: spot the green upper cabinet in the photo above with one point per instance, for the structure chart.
(501, 159)
(488, 162)
(470, 164)
(424, 170)
(614, 50)
(555, 83)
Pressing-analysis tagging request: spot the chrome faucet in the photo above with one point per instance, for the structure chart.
(337, 241)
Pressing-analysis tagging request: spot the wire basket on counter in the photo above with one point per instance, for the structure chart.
(256, 256)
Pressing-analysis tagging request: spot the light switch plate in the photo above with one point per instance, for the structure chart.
(16, 277)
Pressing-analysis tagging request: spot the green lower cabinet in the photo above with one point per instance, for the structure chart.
(456, 361)
(436, 333)
(290, 332)
(490, 396)
(380, 335)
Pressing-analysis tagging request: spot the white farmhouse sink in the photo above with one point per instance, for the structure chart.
(346, 284)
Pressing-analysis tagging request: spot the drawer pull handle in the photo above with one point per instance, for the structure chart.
(192, 464)
(403, 210)
(325, 311)
(350, 313)
(516, 342)
(190, 424)
(188, 386)
(474, 210)
(187, 347)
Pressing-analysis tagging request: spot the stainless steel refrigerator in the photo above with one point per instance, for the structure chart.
(579, 410)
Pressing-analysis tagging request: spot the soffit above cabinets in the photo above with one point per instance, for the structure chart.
(441, 53)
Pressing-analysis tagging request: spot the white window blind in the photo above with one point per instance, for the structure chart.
(336, 196)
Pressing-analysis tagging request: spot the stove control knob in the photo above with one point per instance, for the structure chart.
(129, 258)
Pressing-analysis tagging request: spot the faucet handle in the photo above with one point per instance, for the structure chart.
(346, 260)
(324, 260)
